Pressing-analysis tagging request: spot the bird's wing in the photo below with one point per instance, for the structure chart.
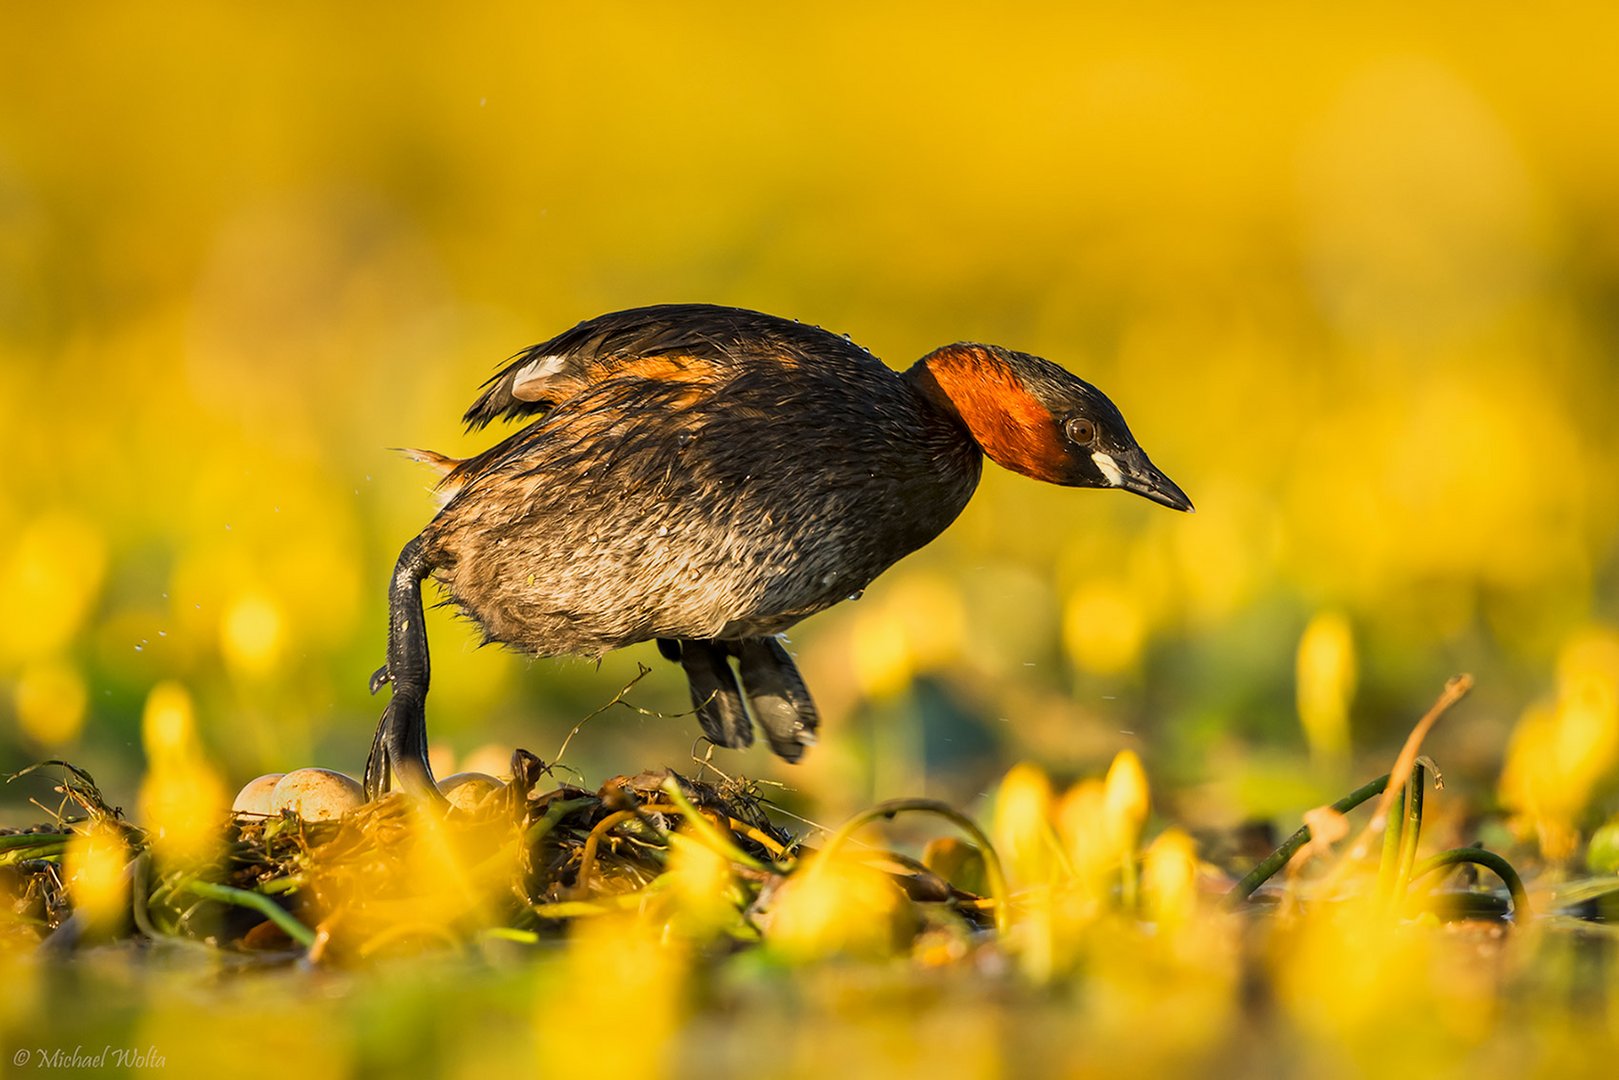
(674, 336)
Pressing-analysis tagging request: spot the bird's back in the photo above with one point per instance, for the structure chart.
(541, 377)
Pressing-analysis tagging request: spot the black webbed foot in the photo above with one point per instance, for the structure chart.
(777, 696)
(714, 692)
(399, 751)
(772, 692)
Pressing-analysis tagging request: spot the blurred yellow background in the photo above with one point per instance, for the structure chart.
(1353, 278)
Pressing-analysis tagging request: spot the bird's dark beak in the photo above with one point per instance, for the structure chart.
(1141, 476)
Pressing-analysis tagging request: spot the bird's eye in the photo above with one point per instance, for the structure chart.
(1081, 430)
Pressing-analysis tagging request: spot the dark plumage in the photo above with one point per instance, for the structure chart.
(707, 477)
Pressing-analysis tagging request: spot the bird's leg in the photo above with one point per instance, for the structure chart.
(400, 745)
(714, 691)
(777, 696)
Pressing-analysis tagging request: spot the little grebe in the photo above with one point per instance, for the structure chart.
(706, 477)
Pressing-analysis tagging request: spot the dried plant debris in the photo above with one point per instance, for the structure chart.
(392, 876)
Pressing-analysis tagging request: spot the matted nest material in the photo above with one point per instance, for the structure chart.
(393, 875)
(32, 888)
(34, 894)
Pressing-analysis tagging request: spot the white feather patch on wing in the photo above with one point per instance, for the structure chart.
(528, 381)
(1110, 468)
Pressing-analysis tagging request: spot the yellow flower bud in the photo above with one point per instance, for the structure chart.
(1169, 878)
(95, 862)
(183, 801)
(1326, 685)
(1125, 800)
(1082, 820)
(1022, 829)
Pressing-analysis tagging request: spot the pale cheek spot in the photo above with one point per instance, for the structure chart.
(1110, 468)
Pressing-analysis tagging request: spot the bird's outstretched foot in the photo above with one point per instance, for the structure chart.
(771, 694)
(715, 694)
(777, 696)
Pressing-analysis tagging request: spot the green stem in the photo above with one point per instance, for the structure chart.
(1388, 867)
(1129, 881)
(1279, 858)
(1412, 832)
(996, 877)
(18, 840)
(553, 814)
(48, 850)
(224, 894)
(601, 905)
(140, 895)
(1487, 859)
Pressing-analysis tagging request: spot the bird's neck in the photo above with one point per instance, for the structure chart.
(980, 390)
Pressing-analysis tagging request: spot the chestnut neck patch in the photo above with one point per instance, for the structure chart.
(1013, 427)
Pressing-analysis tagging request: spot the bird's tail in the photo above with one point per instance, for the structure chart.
(448, 483)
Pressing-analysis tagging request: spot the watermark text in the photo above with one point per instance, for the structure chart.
(105, 1057)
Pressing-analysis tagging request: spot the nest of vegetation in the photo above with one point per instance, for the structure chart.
(392, 876)
(706, 862)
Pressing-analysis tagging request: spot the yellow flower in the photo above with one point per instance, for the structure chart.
(1169, 878)
(49, 579)
(182, 798)
(1125, 801)
(51, 701)
(1082, 820)
(1561, 752)
(95, 862)
(251, 634)
(700, 884)
(838, 907)
(1326, 685)
(1104, 628)
(617, 966)
(1022, 824)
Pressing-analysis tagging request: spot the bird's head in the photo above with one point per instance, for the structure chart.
(1032, 417)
